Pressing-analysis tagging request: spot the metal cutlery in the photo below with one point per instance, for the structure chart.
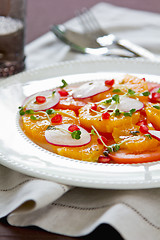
(81, 43)
(93, 30)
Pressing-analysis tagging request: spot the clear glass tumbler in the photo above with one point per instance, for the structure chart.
(12, 36)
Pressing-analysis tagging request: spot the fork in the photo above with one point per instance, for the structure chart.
(93, 29)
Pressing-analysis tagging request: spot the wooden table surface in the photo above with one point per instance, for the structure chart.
(54, 12)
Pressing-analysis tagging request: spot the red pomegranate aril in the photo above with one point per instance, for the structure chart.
(155, 97)
(142, 122)
(94, 107)
(40, 99)
(73, 128)
(144, 79)
(109, 82)
(143, 129)
(63, 93)
(103, 159)
(105, 115)
(57, 118)
(104, 139)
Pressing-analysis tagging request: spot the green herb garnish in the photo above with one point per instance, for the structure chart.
(131, 92)
(134, 133)
(113, 147)
(146, 94)
(116, 90)
(32, 117)
(50, 111)
(93, 132)
(21, 111)
(53, 92)
(117, 112)
(76, 134)
(156, 106)
(107, 101)
(64, 83)
(51, 127)
(30, 111)
(148, 135)
(115, 98)
(129, 114)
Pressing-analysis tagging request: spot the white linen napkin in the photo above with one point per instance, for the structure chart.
(78, 211)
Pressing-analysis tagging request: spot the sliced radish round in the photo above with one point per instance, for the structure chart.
(90, 89)
(155, 134)
(51, 100)
(126, 104)
(59, 135)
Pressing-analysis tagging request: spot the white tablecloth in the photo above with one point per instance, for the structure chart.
(77, 211)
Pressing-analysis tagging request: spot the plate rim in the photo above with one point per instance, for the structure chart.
(76, 181)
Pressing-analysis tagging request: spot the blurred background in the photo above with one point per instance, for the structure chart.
(41, 14)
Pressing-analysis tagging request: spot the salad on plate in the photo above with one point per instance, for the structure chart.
(104, 121)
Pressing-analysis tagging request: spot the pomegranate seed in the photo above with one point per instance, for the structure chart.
(143, 129)
(94, 107)
(40, 99)
(105, 115)
(103, 159)
(63, 93)
(103, 139)
(57, 118)
(155, 97)
(109, 82)
(73, 128)
(144, 79)
(142, 122)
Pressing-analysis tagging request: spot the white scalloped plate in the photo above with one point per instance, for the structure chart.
(19, 153)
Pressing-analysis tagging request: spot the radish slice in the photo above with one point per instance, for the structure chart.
(61, 137)
(126, 104)
(90, 89)
(155, 134)
(51, 100)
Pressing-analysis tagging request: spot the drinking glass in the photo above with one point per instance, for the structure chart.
(12, 36)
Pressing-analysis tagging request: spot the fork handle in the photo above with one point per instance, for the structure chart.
(138, 50)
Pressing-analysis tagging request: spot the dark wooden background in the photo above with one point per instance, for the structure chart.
(41, 14)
